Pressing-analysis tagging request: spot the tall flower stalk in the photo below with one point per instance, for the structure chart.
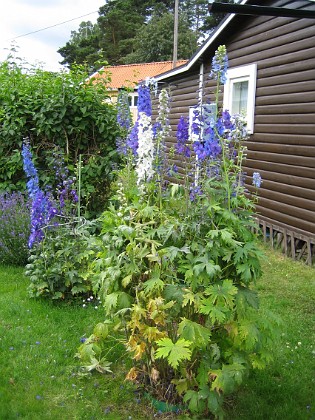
(43, 209)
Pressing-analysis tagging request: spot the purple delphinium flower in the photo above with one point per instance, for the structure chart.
(219, 65)
(132, 140)
(257, 181)
(42, 208)
(195, 191)
(144, 100)
(123, 110)
(183, 137)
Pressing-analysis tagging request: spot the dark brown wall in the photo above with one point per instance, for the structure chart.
(282, 147)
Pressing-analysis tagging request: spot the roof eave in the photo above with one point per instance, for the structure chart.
(201, 50)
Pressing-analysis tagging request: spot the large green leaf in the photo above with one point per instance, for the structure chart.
(197, 334)
(173, 352)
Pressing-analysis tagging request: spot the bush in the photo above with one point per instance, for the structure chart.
(14, 228)
(178, 262)
(60, 240)
(58, 265)
(57, 109)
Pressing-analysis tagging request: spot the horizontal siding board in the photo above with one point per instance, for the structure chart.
(301, 139)
(296, 221)
(281, 168)
(285, 128)
(286, 119)
(286, 149)
(282, 178)
(276, 59)
(300, 97)
(294, 87)
(280, 109)
(278, 187)
(289, 210)
(279, 79)
(302, 161)
(291, 200)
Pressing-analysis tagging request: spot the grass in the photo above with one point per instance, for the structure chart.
(41, 379)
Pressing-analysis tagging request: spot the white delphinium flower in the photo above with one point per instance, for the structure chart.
(144, 165)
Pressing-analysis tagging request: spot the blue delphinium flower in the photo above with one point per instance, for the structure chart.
(43, 209)
(219, 64)
(123, 110)
(132, 140)
(257, 180)
(144, 100)
(182, 135)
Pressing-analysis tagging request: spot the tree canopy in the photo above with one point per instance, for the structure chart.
(135, 31)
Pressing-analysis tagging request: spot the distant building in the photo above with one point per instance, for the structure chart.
(129, 75)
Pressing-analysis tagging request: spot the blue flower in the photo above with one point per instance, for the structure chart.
(182, 135)
(257, 181)
(219, 64)
(144, 100)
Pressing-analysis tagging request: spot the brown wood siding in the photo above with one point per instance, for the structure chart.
(282, 147)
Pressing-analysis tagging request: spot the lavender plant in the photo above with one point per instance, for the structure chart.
(175, 274)
(14, 228)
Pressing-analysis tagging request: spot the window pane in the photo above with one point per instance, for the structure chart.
(240, 97)
(135, 101)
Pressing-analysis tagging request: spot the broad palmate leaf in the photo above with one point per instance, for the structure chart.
(173, 352)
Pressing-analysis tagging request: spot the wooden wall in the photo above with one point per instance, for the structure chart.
(282, 147)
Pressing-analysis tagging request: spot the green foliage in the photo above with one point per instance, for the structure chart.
(133, 31)
(180, 292)
(146, 49)
(14, 228)
(176, 272)
(57, 265)
(57, 109)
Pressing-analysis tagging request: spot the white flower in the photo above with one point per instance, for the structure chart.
(144, 167)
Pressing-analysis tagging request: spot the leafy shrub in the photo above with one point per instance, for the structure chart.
(57, 109)
(178, 262)
(58, 265)
(60, 241)
(14, 228)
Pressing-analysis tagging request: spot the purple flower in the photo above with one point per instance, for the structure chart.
(183, 137)
(132, 140)
(219, 64)
(123, 110)
(257, 181)
(195, 192)
(144, 100)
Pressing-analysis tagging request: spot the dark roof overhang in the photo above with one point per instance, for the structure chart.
(245, 9)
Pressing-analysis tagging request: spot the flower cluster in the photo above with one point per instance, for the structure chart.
(219, 64)
(144, 164)
(14, 228)
(43, 209)
(123, 110)
(257, 180)
(182, 135)
(133, 139)
(144, 100)
(66, 191)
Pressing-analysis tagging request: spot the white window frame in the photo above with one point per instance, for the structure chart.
(241, 74)
(133, 96)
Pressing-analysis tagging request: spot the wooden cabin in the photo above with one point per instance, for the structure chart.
(272, 68)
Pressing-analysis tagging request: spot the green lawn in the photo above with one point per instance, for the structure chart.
(41, 379)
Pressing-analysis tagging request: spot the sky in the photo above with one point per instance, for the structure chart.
(19, 17)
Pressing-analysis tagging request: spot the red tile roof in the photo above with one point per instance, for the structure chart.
(129, 75)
